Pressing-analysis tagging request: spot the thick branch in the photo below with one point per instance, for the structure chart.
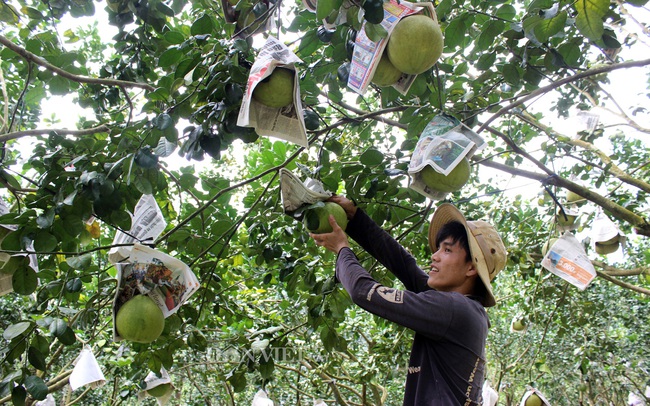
(625, 285)
(611, 167)
(640, 224)
(562, 82)
(75, 78)
(44, 131)
(612, 271)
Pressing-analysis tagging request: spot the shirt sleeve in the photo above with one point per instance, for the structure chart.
(429, 313)
(383, 247)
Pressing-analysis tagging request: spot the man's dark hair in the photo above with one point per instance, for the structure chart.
(455, 230)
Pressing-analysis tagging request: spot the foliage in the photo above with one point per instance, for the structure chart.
(168, 87)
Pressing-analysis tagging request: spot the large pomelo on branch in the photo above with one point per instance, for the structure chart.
(456, 179)
(386, 73)
(140, 320)
(317, 219)
(415, 44)
(276, 90)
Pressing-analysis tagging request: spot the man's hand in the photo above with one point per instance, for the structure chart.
(334, 241)
(347, 204)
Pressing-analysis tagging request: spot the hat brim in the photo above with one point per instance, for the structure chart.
(447, 212)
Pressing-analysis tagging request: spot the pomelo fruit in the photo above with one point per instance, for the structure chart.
(547, 245)
(415, 44)
(518, 325)
(533, 400)
(386, 73)
(276, 90)
(140, 320)
(606, 249)
(567, 221)
(161, 390)
(317, 219)
(456, 179)
(613, 240)
(573, 197)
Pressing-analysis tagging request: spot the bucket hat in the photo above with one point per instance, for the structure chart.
(486, 247)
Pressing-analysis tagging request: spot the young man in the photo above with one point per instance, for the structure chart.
(445, 307)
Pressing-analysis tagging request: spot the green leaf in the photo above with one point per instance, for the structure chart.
(506, 12)
(36, 358)
(170, 57)
(36, 387)
(202, 26)
(45, 242)
(267, 365)
(58, 327)
(8, 14)
(24, 281)
(18, 395)
(375, 32)
(544, 28)
(371, 157)
(80, 262)
(589, 20)
(456, 31)
(324, 8)
(68, 337)
(16, 330)
(493, 29)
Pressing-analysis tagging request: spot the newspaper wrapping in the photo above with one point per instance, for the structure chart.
(165, 279)
(286, 123)
(147, 222)
(568, 260)
(444, 142)
(144, 270)
(367, 53)
(296, 194)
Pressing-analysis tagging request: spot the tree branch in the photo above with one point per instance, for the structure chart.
(640, 224)
(75, 78)
(622, 284)
(562, 82)
(44, 131)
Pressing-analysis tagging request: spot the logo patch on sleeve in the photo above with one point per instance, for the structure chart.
(391, 294)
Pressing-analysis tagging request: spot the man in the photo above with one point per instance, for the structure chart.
(445, 307)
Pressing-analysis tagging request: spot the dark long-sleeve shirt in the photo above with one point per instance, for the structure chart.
(447, 360)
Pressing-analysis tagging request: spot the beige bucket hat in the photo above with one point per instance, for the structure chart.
(486, 248)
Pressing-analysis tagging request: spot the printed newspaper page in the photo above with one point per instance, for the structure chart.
(442, 145)
(286, 123)
(296, 193)
(146, 225)
(367, 53)
(568, 260)
(165, 279)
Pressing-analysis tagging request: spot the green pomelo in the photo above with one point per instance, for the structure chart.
(518, 325)
(160, 390)
(547, 245)
(533, 400)
(456, 179)
(140, 320)
(606, 249)
(317, 219)
(573, 197)
(276, 90)
(567, 221)
(415, 44)
(386, 73)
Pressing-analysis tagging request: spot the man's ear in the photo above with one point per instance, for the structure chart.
(471, 271)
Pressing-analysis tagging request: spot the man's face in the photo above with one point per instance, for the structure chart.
(449, 267)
